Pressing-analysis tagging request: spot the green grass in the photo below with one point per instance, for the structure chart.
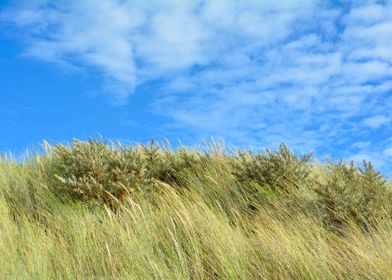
(191, 214)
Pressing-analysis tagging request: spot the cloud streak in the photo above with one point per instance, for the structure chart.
(316, 75)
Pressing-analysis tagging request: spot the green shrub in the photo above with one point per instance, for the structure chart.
(94, 170)
(272, 171)
(352, 194)
(169, 166)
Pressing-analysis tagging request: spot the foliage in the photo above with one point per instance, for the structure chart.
(94, 170)
(352, 194)
(166, 165)
(271, 173)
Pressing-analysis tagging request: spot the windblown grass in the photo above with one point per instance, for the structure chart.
(194, 215)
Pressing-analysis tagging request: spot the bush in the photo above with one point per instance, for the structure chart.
(278, 171)
(168, 166)
(352, 194)
(93, 170)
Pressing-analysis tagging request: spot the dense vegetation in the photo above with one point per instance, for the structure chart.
(97, 211)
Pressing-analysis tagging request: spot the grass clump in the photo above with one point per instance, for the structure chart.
(191, 214)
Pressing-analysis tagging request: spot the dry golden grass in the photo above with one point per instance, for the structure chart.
(203, 230)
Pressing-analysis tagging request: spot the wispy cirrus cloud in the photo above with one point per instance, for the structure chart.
(313, 74)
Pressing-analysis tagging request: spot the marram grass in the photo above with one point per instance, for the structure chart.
(98, 211)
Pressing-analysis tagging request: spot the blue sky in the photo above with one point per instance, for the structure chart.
(314, 74)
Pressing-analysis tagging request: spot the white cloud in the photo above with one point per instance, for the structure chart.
(361, 144)
(388, 152)
(376, 121)
(311, 74)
